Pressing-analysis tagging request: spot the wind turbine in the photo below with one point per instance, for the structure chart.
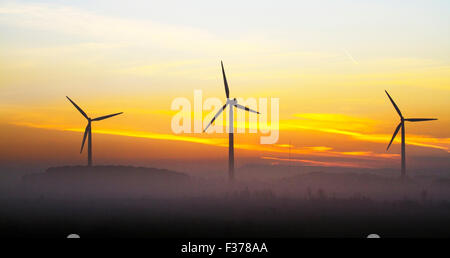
(88, 131)
(402, 126)
(231, 103)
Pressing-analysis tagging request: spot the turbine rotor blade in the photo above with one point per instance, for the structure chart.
(419, 119)
(245, 108)
(79, 109)
(395, 105)
(227, 91)
(104, 117)
(393, 136)
(88, 127)
(214, 118)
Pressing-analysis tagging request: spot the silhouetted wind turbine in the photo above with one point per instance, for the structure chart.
(402, 126)
(232, 103)
(88, 131)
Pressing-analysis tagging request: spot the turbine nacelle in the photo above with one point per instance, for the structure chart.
(231, 101)
(402, 120)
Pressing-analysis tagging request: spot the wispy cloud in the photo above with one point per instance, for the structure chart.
(322, 151)
(346, 125)
(109, 31)
(416, 140)
(137, 134)
(319, 163)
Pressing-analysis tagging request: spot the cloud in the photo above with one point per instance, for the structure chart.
(107, 30)
(332, 121)
(319, 163)
(73, 21)
(338, 120)
(137, 134)
(322, 151)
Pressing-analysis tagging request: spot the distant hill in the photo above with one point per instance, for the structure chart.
(106, 180)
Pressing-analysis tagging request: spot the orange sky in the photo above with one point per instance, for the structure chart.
(330, 82)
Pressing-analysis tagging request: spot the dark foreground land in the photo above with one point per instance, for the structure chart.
(203, 218)
(127, 202)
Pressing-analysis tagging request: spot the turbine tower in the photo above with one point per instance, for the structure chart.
(231, 103)
(402, 126)
(88, 131)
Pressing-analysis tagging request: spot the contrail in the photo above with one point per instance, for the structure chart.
(351, 57)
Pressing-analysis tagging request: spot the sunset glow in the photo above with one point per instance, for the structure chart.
(329, 77)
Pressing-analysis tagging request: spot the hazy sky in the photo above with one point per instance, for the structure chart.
(328, 62)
